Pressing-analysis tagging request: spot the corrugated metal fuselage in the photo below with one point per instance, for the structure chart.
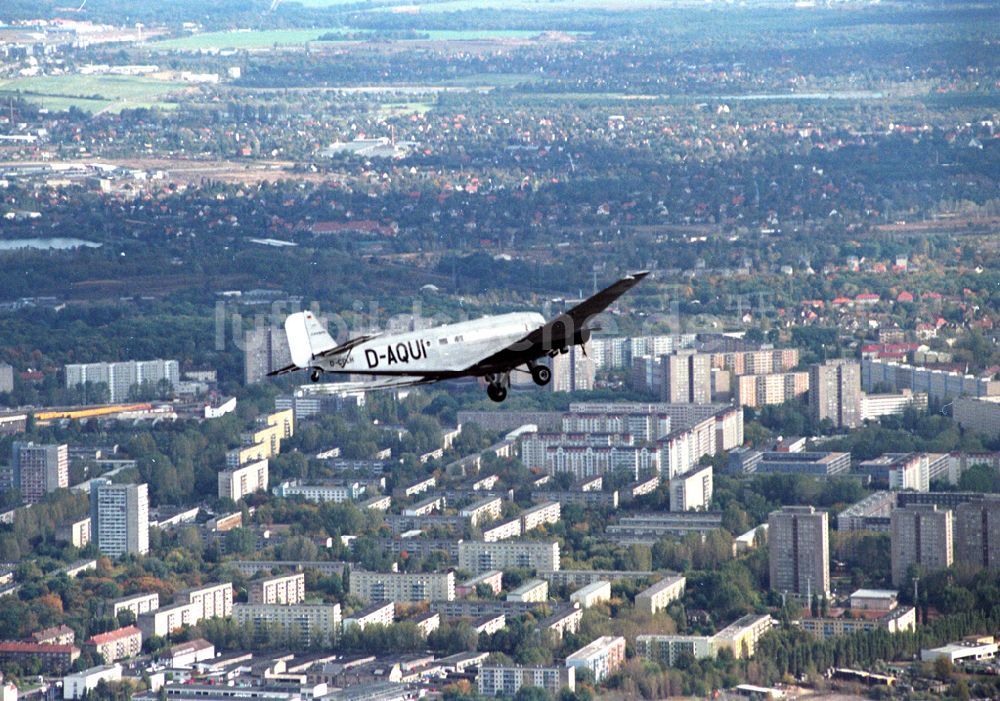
(452, 348)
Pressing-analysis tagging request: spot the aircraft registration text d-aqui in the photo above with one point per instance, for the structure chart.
(490, 347)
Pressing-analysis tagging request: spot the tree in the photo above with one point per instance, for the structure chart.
(532, 693)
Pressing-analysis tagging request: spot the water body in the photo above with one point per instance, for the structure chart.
(57, 244)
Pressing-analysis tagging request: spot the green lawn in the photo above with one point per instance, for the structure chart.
(92, 93)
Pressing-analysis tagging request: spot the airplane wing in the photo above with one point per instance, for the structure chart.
(559, 332)
(387, 383)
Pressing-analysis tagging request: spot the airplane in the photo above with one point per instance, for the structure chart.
(490, 347)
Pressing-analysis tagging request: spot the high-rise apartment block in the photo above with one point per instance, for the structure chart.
(977, 532)
(799, 547)
(123, 377)
(266, 349)
(119, 517)
(6, 378)
(686, 378)
(37, 470)
(921, 536)
(771, 388)
(757, 362)
(573, 370)
(835, 393)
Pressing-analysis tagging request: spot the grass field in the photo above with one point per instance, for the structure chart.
(496, 80)
(266, 39)
(92, 93)
(396, 109)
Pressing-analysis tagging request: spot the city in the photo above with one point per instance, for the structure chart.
(772, 471)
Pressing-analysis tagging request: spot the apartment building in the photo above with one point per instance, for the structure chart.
(977, 532)
(773, 388)
(124, 378)
(119, 517)
(758, 362)
(283, 589)
(591, 594)
(381, 614)
(502, 531)
(660, 595)
(602, 657)
(483, 510)
(238, 482)
(532, 591)
(540, 515)
(506, 681)
(835, 393)
(799, 547)
(321, 492)
(897, 620)
(692, 491)
(478, 557)
(375, 587)
(922, 537)
(38, 470)
(563, 621)
(309, 623)
(211, 600)
(116, 644)
(138, 604)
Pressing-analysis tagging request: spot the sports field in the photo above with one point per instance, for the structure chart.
(92, 93)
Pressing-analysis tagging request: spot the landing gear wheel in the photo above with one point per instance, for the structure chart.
(314, 375)
(496, 392)
(541, 375)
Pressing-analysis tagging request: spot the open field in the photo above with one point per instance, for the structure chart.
(92, 93)
(265, 39)
(243, 39)
(395, 109)
(494, 80)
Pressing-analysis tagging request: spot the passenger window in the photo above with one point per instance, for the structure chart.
(458, 339)
(443, 341)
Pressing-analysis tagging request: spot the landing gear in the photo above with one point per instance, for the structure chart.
(541, 374)
(315, 374)
(496, 387)
(496, 392)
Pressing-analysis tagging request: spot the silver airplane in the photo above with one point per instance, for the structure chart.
(490, 347)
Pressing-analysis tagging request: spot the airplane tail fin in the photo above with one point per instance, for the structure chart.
(307, 338)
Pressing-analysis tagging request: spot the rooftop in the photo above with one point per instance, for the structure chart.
(112, 635)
